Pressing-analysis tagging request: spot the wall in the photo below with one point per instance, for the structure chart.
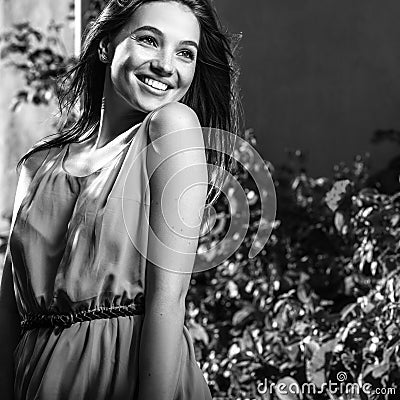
(319, 75)
(18, 131)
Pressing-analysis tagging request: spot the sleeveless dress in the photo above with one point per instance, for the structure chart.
(71, 249)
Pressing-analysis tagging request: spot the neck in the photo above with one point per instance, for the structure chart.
(116, 115)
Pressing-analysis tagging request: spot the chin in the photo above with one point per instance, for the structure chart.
(151, 105)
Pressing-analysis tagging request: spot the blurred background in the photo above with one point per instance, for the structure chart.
(321, 93)
(321, 77)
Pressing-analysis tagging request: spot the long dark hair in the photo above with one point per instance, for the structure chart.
(213, 94)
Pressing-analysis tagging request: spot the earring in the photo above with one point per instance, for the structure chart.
(104, 58)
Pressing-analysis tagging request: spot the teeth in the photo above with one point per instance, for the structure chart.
(155, 84)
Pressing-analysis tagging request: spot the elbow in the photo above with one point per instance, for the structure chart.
(165, 291)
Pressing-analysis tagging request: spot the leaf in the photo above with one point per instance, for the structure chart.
(197, 332)
(348, 360)
(384, 366)
(302, 294)
(339, 221)
(279, 303)
(301, 327)
(315, 368)
(241, 315)
(392, 329)
(311, 347)
(232, 289)
(246, 342)
(348, 310)
(293, 351)
(394, 220)
(287, 388)
(233, 350)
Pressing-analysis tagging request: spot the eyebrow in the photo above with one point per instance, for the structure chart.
(158, 32)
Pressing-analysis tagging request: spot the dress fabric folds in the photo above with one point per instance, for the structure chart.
(79, 243)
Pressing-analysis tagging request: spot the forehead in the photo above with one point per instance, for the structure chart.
(171, 18)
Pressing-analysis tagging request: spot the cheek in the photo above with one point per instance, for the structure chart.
(188, 76)
(121, 69)
(124, 59)
(118, 75)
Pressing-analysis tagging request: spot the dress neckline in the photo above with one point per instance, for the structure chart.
(125, 138)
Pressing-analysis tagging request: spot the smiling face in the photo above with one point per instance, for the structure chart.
(153, 56)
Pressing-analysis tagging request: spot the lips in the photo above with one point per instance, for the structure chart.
(156, 84)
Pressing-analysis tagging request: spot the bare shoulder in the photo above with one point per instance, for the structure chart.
(172, 117)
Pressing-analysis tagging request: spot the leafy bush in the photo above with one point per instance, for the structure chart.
(41, 58)
(320, 300)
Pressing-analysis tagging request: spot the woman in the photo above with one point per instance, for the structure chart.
(87, 316)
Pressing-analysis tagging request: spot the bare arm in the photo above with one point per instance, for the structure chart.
(175, 216)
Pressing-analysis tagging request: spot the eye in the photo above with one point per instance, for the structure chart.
(188, 54)
(147, 39)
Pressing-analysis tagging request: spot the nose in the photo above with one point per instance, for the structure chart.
(163, 64)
